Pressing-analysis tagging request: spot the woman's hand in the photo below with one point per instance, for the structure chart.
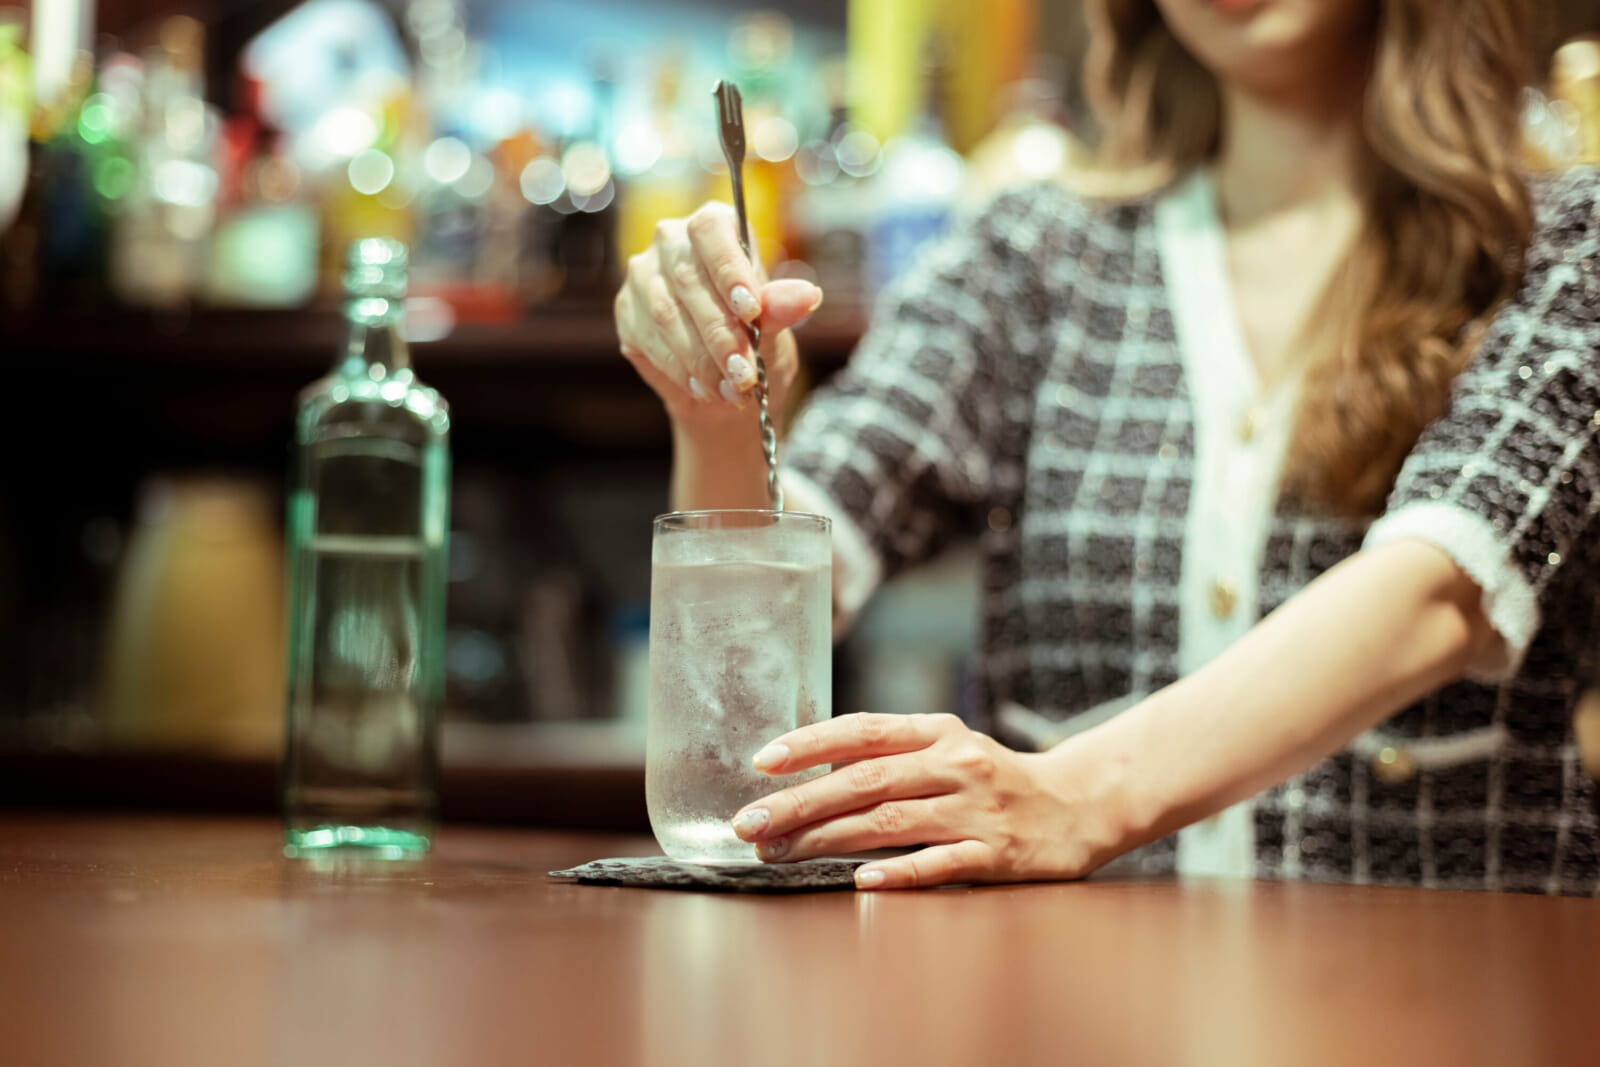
(988, 813)
(681, 316)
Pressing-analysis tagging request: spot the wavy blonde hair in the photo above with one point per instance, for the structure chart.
(1447, 226)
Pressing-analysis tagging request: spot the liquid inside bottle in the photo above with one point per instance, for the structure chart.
(368, 516)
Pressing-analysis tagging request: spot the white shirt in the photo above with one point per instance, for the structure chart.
(1241, 438)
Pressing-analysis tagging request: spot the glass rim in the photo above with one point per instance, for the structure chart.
(772, 513)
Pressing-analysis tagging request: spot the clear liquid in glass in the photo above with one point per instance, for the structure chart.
(740, 654)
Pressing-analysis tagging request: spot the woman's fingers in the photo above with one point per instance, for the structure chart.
(786, 301)
(848, 789)
(685, 307)
(958, 861)
(713, 230)
(653, 322)
(890, 824)
(649, 325)
(852, 737)
(654, 377)
(723, 337)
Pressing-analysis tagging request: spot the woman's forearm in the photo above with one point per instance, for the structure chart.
(718, 467)
(1363, 641)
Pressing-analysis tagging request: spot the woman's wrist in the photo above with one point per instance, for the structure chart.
(1098, 781)
(718, 464)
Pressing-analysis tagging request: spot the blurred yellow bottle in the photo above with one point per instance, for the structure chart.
(666, 182)
(1575, 79)
(760, 49)
(887, 41)
(765, 186)
(374, 196)
(195, 649)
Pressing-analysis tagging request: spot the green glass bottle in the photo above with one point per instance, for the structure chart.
(368, 522)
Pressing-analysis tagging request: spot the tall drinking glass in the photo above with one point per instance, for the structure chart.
(740, 653)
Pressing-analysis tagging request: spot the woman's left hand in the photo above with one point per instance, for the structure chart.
(988, 814)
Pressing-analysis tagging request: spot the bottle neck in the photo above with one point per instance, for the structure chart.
(373, 335)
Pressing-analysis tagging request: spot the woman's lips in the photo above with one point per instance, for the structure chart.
(1233, 7)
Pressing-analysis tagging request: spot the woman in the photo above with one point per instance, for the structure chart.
(1335, 372)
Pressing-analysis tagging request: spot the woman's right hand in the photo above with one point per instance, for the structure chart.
(681, 318)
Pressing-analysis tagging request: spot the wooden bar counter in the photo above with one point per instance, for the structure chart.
(128, 940)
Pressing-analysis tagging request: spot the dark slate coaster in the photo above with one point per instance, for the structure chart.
(660, 872)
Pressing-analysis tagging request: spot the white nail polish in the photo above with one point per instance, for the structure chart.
(731, 395)
(739, 370)
(774, 849)
(697, 389)
(751, 822)
(744, 303)
(868, 879)
(773, 755)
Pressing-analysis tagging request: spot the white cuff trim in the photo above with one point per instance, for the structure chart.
(1471, 541)
(1435, 753)
(857, 571)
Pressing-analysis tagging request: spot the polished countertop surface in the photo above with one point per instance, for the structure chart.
(132, 940)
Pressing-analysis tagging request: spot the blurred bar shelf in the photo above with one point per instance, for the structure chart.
(578, 775)
(302, 343)
(213, 387)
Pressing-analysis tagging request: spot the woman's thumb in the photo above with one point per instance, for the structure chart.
(786, 302)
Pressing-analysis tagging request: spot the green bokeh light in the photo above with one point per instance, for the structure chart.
(113, 178)
(95, 120)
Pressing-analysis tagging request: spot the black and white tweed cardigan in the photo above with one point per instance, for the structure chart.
(1046, 322)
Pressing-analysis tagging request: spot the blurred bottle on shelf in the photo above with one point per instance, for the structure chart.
(1575, 86)
(521, 221)
(1031, 142)
(915, 190)
(454, 223)
(194, 654)
(368, 517)
(16, 105)
(529, 218)
(499, 263)
(56, 249)
(460, 257)
(829, 212)
(159, 247)
(584, 236)
(885, 58)
(265, 250)
(655, 157)
(373, 195)
(760, 52)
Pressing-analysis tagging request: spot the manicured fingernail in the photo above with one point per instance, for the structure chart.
(772, 756)
(749, 823)
(739, 371)
(812, 310)
(697, 389)
(774, 849)
(867, 878)
(744, 304)
(731, 395)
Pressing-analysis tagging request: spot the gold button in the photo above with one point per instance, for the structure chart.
(1224, 597)
(1391, 766)
(1247, 426)
(1586, 726)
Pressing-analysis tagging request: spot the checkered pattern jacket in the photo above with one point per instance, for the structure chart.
(1043, 329)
